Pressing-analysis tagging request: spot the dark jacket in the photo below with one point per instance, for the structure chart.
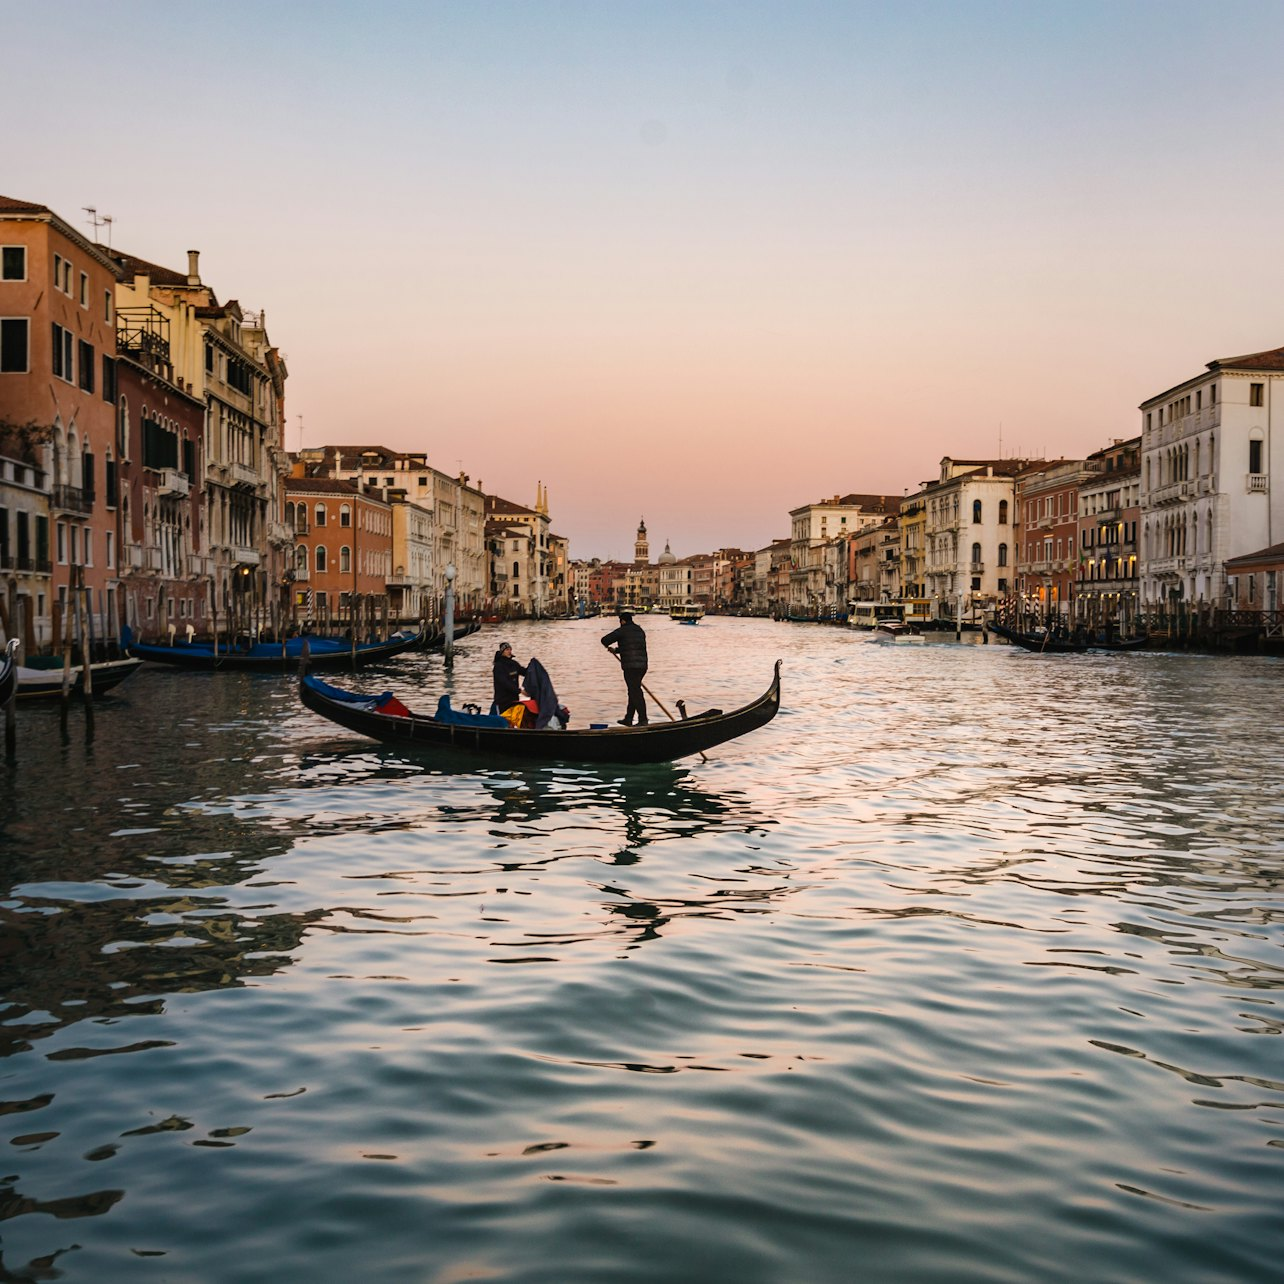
(540, 688)
(631, 642)
(507, 671)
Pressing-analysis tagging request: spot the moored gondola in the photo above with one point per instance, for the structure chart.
(481, 736)
(41, 677)
(275, 657)
(8, 672)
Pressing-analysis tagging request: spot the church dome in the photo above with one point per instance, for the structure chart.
(667, 558)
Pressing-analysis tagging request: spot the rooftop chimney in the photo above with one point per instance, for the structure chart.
(193, 267)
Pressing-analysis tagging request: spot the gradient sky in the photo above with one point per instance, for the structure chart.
(698, 262)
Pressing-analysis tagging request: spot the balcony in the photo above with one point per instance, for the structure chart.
(280, 533)
(977, 568)
(1256, 484)
(243, 474)
(152, 559)
(172, 482)
(72, 499)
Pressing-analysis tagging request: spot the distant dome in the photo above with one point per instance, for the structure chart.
(667, 558)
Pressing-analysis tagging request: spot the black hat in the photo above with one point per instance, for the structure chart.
(625, 615)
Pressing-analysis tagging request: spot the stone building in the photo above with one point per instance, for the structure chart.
(1209, 489)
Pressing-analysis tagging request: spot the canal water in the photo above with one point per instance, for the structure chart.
(967, 967)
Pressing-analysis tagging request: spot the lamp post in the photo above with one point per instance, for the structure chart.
(449, 622)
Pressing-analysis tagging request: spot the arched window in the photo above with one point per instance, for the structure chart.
(74, 472)
(301, 558)
(345, 515)
(1003, 554)
(976, 516)
(289, 514)
(321, 559)
(1003, 512)
(345, 560)
(122, 429)
(320, 514)
(976, 555)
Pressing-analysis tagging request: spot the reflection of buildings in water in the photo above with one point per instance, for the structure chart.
(124, 957)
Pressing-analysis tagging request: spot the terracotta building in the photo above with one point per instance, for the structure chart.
(57, 417)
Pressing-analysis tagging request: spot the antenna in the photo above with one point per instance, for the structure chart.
(97, 220)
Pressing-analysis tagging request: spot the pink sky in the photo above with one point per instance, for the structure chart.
(696, 263)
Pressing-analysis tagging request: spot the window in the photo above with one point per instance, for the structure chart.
(111, 549)
(976, 512)
(1003, 554)
(345, 515)
(320, 514)
(107, 305)
(345, 560)
(1212, 394)
(15, 345)
(1003, 512)
(321, 558)
(976, 554)
(84, 290)
(1255, 456)
(86, 363)
(301, 559)
(109, 378)
(13, 263)
(1255, 394)
(64, 365)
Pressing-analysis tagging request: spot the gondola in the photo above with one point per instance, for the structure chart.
(8, 672)
(1043, 643)
(274, 657)
(485, 736)
(38, 680)
(1139, 643)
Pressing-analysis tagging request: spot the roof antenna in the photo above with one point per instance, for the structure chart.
(97, 220)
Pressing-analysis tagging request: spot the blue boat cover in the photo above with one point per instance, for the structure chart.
(461, 719)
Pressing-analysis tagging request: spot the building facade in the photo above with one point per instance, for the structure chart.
(57, 418)
(1109, 521)
(342, 550)
(969, 547)
(1210, 490)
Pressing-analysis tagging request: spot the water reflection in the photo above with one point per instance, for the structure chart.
(309, 985)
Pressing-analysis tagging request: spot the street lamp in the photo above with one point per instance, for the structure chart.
(449, 622)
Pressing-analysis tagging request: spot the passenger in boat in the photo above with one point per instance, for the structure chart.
(506, 672)
(550, 713)
(628, 645)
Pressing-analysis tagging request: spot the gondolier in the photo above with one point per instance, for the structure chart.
(628, 645)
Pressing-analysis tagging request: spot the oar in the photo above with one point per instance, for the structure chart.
(660, 702)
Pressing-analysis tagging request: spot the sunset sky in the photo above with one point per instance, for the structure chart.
(701, 263)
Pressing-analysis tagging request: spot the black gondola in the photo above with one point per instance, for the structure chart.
(8, 672)
(1066, 643)
(490, 736)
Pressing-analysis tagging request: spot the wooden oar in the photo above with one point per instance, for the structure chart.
(660, 702)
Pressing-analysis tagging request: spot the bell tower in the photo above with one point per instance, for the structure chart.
(641, 550)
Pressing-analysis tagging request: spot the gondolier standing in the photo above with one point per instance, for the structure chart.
(628, 645)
